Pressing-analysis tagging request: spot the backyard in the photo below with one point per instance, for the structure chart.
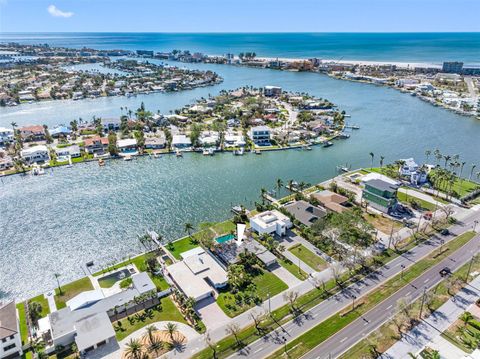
(70, 290)
(308, 257)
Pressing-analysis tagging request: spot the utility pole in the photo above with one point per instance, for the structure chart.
(475, 222)
(401, 273)
(470, 267)
(423, 302)
(390, 239)
(353, 302)
(269, 304)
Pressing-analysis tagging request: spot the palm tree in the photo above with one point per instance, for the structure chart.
(438, 155)
(290, 185)
(57, 275)
(381, 161)
(14, 125)
(171, 329)
(279, 185)
(446, 158)
(188, 228)
(263, 192)
(134, 349)
(471, 171)
(427, 154)
(155, 346)
(151, 329)
(373, 156)
(466, 318)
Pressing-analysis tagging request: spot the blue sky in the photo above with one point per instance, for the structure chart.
(239, 15)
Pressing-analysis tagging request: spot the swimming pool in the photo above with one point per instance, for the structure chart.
(224, 238)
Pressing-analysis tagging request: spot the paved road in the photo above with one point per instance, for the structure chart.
(360, 328)
(274, 340)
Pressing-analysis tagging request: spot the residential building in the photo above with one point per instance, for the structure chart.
(6, 161)
(305, 213)
(233, 140)
(380, 195)
(408, 166)
(69, 151)
(10, 338)
(96, 145)
(127, 145)
(270, 222)
(32, 133)
(60, 131)
(181, 141)
(332, 201)
(6, 135)
(209, 138)
(155, 142)
(198, 274)
(452, 67)
(111, 124)
(260, 135)
(35, 154)
(272, 91)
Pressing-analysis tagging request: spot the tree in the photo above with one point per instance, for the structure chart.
(57, 275)
(279, 185)
(291, 297)
(257, 319)
(188, 228)
(171, 329)
(372, 155)
(112, 143)
(233, 329)
(208, 340)
(427, 154)
(134, 349)
(381, 161)
(35, 311)
(466, 318)
(151, 329)
(238, 276)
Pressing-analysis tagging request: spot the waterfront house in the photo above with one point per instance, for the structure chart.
(86, 320)
(270, 222)
(305, 213)
(155, 142)
(111, 124)
(35, 154)
(209, 138)
(96, 145)
(10, 339)
(260, 135)
(272, 91)
(6, 135)
(233, 140)
(60, 131)
(127, 145)
(69, 151)
(408, 167)
(380, 195)
(6, 161)
(198, 275)
(181, 141)
(332, 201)
(32, 133)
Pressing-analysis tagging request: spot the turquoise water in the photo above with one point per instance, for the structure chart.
(423, 47)
(55, 223)
(225, 238)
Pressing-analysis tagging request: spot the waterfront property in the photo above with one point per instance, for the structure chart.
(304, 212)
(32, 133)
(332, 201)
(10, 340)
(96, 145)
(127, 145)
(260, 135)
(380, 195)
(35, 154)
(6, 135)
(198, 274)
(270, 222)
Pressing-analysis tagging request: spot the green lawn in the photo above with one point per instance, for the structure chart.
(70, 290)
(312, 338)
(23, 322)
(308, 257)
(180, 246)
(461, 186)
(266, 283)
(159, 281)
(43, 302)
(138, 261)
(407, 197)
(167, 311)
(293, 268)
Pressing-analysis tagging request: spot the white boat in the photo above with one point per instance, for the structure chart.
(211, 151)
(206, 152)
(179, 153)
(37, 171)
(69, 162)
(157, 155)
(127, 158)
(239, 152)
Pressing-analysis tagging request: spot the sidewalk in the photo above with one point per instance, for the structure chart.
(428, 330)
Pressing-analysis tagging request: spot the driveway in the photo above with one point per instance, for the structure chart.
(212, 315)
(284, 275)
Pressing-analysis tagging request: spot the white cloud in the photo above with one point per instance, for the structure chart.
(56, 12)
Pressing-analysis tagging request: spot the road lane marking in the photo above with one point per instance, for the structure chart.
(406, 295)
(391, 305)
(341, 341)
(256, 351)
(426, 280)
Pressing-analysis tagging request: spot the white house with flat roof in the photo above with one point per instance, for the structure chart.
(35, 154)
(270, 222)
(408, 167)
(6, 135)
(181, 141)
(198, 274)
(272, 91)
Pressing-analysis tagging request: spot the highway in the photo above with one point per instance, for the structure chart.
(289, 331)
(360, 328)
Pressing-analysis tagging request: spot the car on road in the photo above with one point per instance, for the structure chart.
(445, 272)
(444, 232)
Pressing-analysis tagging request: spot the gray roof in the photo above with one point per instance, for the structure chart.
(260, 251)
(8, 320)
(143, 283)
(93, 330)
(382, 185)
(304, 212)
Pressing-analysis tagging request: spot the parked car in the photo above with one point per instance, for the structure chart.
(445, 232)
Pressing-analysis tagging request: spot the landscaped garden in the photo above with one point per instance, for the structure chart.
(464, 333)
(165, 311)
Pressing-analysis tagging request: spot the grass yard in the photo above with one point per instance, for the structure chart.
(138, 261)
(327, 328)
(463, 336)
(383, 224)
(308, 257)
(70, 290)
(461, 186)
(23, 322)
(293, 268)
(266, 283)
(44, 303)
(407, 197)
(159, 282)
(166, 311)
(180, 246)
